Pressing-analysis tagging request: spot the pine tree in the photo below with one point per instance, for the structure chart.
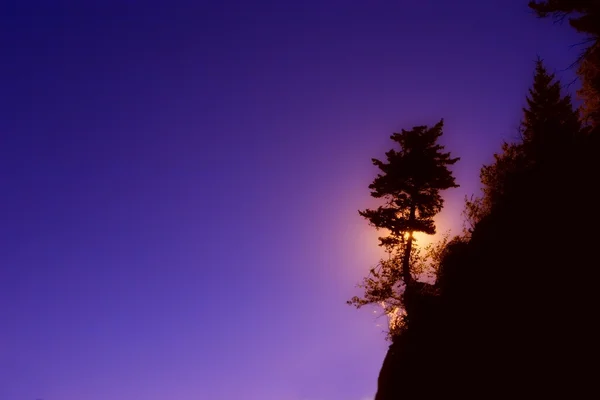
(548, 130)
(549, 122)
(409, 183)
(584, 17)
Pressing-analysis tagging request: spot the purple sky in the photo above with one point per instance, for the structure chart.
(180, 185)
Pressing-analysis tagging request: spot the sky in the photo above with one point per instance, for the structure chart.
(180, 182)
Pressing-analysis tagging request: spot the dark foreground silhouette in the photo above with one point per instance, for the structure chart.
(513, 311)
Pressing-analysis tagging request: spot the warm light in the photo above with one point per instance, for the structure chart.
(394, 316)
(422, 239)
(419, 238)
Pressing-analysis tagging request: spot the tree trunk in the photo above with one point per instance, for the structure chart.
(409, 241)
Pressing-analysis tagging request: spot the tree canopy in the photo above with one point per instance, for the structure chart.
(511, 313)
(409, 182)
(548, 130)
(584, 17)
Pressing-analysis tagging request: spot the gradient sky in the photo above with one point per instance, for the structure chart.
(180, 182)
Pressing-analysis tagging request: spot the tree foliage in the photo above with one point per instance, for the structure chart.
(409, 183)
(514, 303)
(548, 130)
(384, 285)
(584, 17)
(549, 122)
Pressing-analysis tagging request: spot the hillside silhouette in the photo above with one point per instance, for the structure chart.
(512, 312)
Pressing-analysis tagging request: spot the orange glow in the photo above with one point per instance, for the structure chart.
(371, 236)
(422, 239)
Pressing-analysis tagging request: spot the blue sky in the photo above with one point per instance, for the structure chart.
(180, 182)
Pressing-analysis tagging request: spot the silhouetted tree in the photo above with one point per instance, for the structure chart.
(584, 16)
(410, 182)
(513, 313)
(507, 317)
(548, 130)
(384, 285)
(549, 121)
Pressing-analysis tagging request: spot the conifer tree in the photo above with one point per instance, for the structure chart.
(409, 183)
(549, 121)
(548, 129)
(584, 17)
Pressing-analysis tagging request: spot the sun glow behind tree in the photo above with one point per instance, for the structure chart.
(407, 186)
